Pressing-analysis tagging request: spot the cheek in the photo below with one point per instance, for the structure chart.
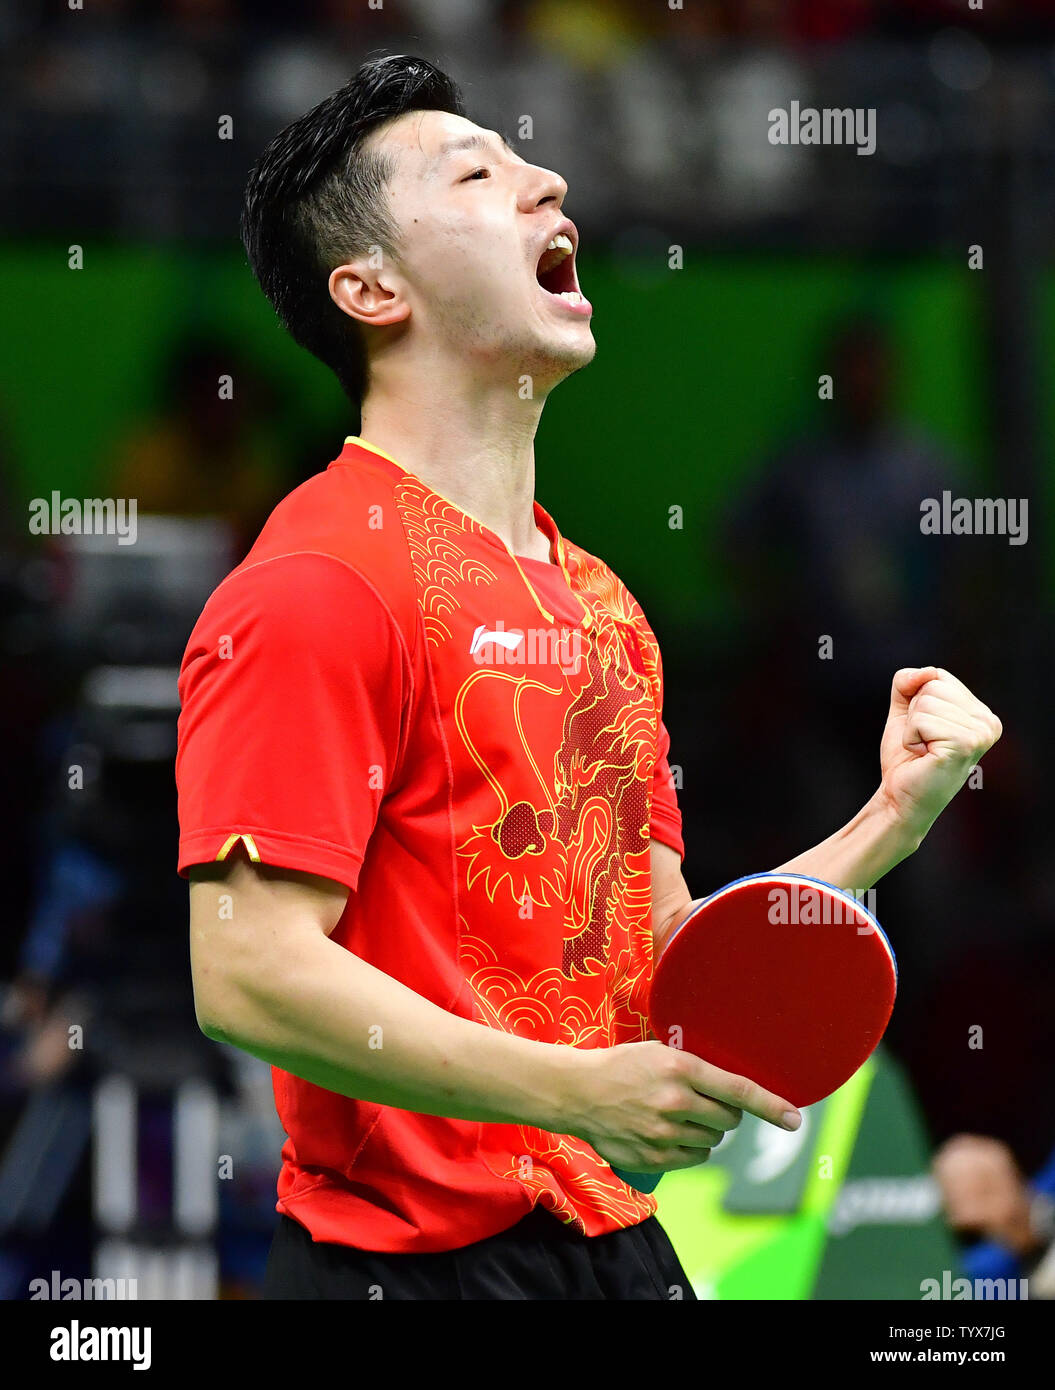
(470, 272)
(478, 281)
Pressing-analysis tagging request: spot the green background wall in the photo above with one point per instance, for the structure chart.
(699, 372)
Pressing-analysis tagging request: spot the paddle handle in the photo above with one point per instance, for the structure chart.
(644, 1182)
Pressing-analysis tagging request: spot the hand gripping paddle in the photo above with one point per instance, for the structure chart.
(777, 977)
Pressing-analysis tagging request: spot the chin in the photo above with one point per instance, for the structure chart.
(569, 353)
(547, 356)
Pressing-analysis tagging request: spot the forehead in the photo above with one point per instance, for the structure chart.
(423, 142)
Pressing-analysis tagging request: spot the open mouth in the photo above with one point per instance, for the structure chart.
(555, 271)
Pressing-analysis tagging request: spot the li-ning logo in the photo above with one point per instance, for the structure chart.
(534, 646)
(508, 640)
(805, 125)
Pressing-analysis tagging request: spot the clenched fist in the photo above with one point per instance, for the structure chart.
(935, 733)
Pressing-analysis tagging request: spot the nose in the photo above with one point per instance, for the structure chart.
(540, 188)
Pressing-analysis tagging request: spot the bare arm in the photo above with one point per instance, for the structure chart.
(671, 898)
(853, 859)
(935, 733)
(268, 979)
(858, 855)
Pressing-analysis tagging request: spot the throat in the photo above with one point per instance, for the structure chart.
(538, 548)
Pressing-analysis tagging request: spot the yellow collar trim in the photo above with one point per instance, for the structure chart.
(363, 444)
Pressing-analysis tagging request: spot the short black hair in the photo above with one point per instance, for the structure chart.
(316, 198)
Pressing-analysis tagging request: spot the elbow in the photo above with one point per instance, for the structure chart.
(210, 1019)
(216, 1006)
(212, 1027)
(230, 1010)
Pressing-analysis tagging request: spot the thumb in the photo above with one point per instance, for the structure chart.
(907, 683)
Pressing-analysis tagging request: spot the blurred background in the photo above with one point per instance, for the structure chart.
(772, 537)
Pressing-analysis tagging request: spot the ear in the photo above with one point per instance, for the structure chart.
(369, 292)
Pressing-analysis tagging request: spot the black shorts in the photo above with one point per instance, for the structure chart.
(539, 1257)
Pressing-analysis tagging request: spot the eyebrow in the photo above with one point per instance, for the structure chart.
(472, 142)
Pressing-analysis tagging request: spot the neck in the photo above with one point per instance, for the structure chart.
(472, 442)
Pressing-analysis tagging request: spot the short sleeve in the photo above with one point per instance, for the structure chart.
(294, 692)
(665, 823)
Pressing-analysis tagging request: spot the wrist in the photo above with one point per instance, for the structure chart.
(897, 835)
(563, 1089)
(661, 934)
(865, 849)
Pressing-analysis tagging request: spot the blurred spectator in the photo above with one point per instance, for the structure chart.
(146, 83)
(210, 449)
(827, 544)
(986, 1195)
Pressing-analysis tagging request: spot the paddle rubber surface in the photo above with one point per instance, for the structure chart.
(780, 978)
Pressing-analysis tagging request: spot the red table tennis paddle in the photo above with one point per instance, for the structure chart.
(777, 977)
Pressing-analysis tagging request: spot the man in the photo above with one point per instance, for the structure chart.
(424, 794)
(1010, 1220)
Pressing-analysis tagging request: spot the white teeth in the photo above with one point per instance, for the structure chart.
(572, 296)
(561, 243)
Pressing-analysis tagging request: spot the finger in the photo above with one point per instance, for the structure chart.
(705, 1110)
(934, 701)
(941, 709)
(953, 688)
(667, 1160)
(906, 683)
(742, 1093)
(953, 682)
(689, 1135)
(928, 728)
(957, 719)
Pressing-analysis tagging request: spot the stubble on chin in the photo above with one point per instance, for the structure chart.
(535, 356)
(549, 360)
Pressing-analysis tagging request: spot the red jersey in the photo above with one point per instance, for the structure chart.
(382, 693)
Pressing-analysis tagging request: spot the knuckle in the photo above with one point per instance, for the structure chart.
(676, 1065)
(670, 1098)
(739, 1090)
